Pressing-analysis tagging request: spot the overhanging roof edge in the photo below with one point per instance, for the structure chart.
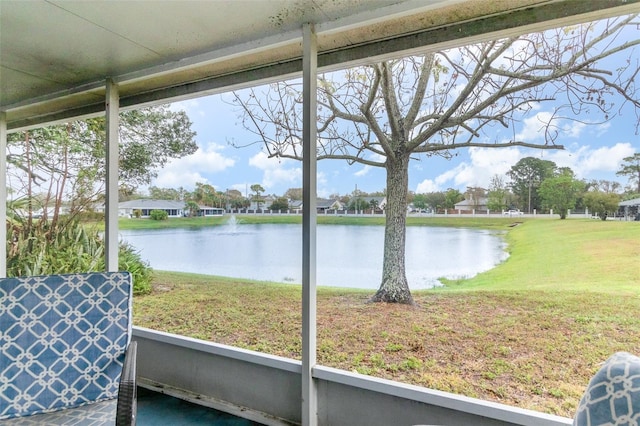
(531, 18)
(243, 49)
(508, 24)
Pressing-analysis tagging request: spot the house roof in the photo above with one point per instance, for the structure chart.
(56, 55)
(326, 202)
(145, 203)
(630, 203)
(369, 199)
(320, 203)
(482, 201)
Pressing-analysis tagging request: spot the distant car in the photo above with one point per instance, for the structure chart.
(512, 213)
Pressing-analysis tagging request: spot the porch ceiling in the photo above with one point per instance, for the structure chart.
(56, 54)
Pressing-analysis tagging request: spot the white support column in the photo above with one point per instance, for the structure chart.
(3, 194)
(111, 199)
(309, 219)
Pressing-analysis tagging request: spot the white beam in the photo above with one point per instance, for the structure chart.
(111, 199)
(3, 194)
(309, 213)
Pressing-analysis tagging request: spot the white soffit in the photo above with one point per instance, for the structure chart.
(55, 55)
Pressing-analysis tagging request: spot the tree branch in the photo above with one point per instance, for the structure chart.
(421, 88)
(432, 147)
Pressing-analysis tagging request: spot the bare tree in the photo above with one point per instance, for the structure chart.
(386, 114)
(630, 167)
(606, 186)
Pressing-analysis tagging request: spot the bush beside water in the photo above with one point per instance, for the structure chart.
(41, 247)
(158, 215)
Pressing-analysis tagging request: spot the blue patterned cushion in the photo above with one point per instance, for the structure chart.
(98, 414)
(613, 395)
(62, 340)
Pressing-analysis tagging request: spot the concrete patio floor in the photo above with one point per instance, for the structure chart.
(157, 409)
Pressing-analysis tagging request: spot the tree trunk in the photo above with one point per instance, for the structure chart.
(394, 287)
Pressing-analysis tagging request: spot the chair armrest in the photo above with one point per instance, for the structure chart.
(127, 389)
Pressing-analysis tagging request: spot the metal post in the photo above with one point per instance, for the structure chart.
(309, 219)
(3, 194)
(111, 199)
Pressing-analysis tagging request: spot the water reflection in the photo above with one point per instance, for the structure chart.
(347, 256)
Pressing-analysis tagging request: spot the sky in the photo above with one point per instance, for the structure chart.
(591, 151)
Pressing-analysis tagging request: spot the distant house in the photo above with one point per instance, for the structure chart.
(265, 202)
(210, 211)
(470, 205)
(629, 208)
(145, 206)
(379, 202)
(475, 200)
(411, 208)
(322, 204)
(172, 207)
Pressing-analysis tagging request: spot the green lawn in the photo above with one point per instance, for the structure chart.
(529, 333)
(567, 255)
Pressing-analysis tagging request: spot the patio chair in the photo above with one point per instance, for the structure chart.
(66, 355)
(613, 395)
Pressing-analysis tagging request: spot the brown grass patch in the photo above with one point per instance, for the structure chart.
(534, 350)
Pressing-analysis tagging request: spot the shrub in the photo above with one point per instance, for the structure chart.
(280, 204)
(601, 203)
(38, 247)
(91, 216)
(129, 260)
(158, 215)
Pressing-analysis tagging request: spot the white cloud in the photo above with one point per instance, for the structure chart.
(378, 158)
(276, 171)
(585, 161)
(363, 171)
(323, 189)
(448, 179)
(607, 158)
(496, 160)
(186, 180)
(573, 129)
(533, 127)
(484, 163)
(601, 129)
(452, 176)
(186, 171)
(210, 159)
(426, 186)
(262, 161)
(321, 179)
(190, 106)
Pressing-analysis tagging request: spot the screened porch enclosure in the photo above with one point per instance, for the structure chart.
(132, 55)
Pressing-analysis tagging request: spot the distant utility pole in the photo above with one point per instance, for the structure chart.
(529, 209)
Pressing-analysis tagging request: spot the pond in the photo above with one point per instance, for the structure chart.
(347, 256)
